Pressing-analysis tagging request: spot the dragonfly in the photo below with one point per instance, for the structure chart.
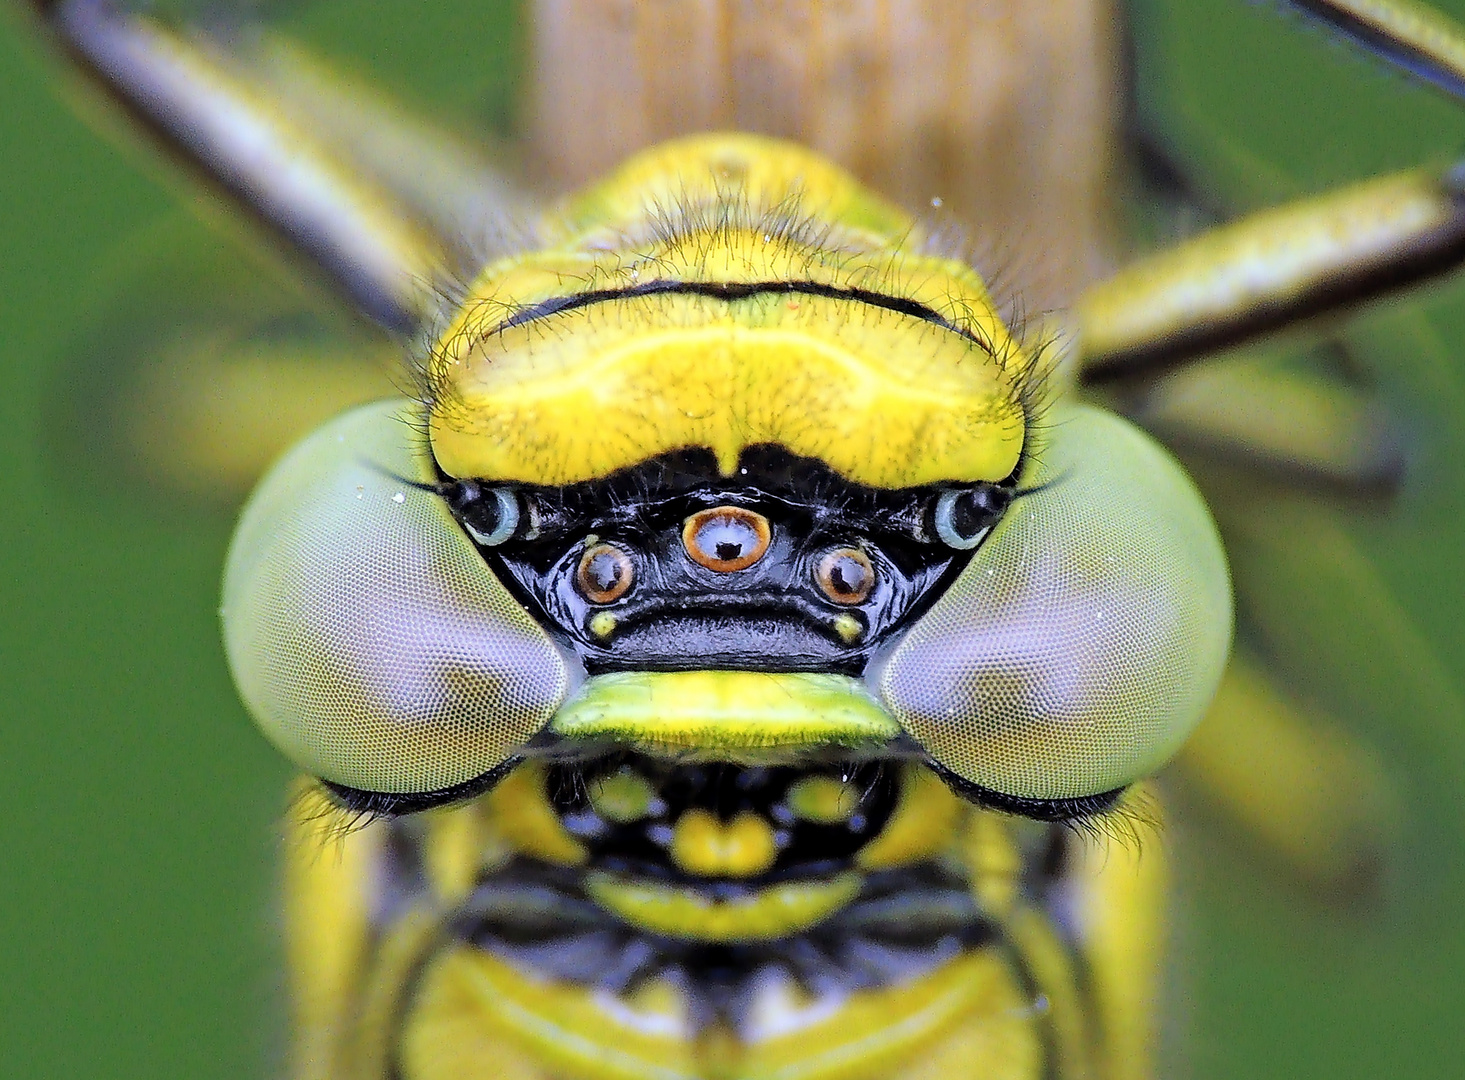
(1310, 835)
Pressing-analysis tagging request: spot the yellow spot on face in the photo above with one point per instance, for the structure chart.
(603, 624)
(994, 862)
(623, 796)
(703, 845)
(660, 998)
(926, 820)
(822, 799)
(452, 854)
(848, 628)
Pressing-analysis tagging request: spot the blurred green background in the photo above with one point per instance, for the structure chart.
(137, 932)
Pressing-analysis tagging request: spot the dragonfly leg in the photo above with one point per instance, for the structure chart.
(377, 203)
(1281, 266)
(1272, 270)
(1284, 267)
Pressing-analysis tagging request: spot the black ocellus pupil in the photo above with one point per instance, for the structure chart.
(847, 576)
(605, 572)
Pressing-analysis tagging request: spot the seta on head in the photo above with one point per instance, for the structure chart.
(728, 466)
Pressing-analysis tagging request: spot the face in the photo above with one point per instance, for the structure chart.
(657, 575)
(674, 550)
(732, 474)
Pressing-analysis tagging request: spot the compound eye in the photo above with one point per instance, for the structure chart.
(845, 575)
(605, 574)
(367, 635)
(726, 538)
(1085, 639)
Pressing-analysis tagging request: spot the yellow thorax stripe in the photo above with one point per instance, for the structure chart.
(725, 292)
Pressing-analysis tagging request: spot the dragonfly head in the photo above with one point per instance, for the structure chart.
(728, 467)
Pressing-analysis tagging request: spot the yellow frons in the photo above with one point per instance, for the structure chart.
(994, 863)
(886, 397)
(823, 800)
(527, 821)
(927, 819)
(623, 796)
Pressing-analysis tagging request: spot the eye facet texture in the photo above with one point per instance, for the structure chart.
(1086, 637)
(367, 636)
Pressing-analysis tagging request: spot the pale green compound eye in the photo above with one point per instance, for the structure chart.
(1085, 639)
(367, 636)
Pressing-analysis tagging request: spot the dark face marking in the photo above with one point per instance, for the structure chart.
(783, 566)
(634, 835)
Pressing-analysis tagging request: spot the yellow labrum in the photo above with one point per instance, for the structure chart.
(726, 715)
(724, 292)
(704, 845)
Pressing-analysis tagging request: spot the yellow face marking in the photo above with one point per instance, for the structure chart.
(630, 334)
(823, 800)
(623, 796)
(742, 847)
(774, 912)
(994, 862)
(528, 822)
(925, 821)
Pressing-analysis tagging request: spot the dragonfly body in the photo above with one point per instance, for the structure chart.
(721, 861)
(705, 872)
(726, 639)
(489, 940)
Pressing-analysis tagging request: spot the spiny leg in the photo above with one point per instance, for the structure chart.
(1302, 788)
(1271, 270)
(198, 362)
(1311, 596)
(1305, 424)
(1410, 36)
(380, 205)
(1317, 617)
(210, 359)
(1277, 269)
